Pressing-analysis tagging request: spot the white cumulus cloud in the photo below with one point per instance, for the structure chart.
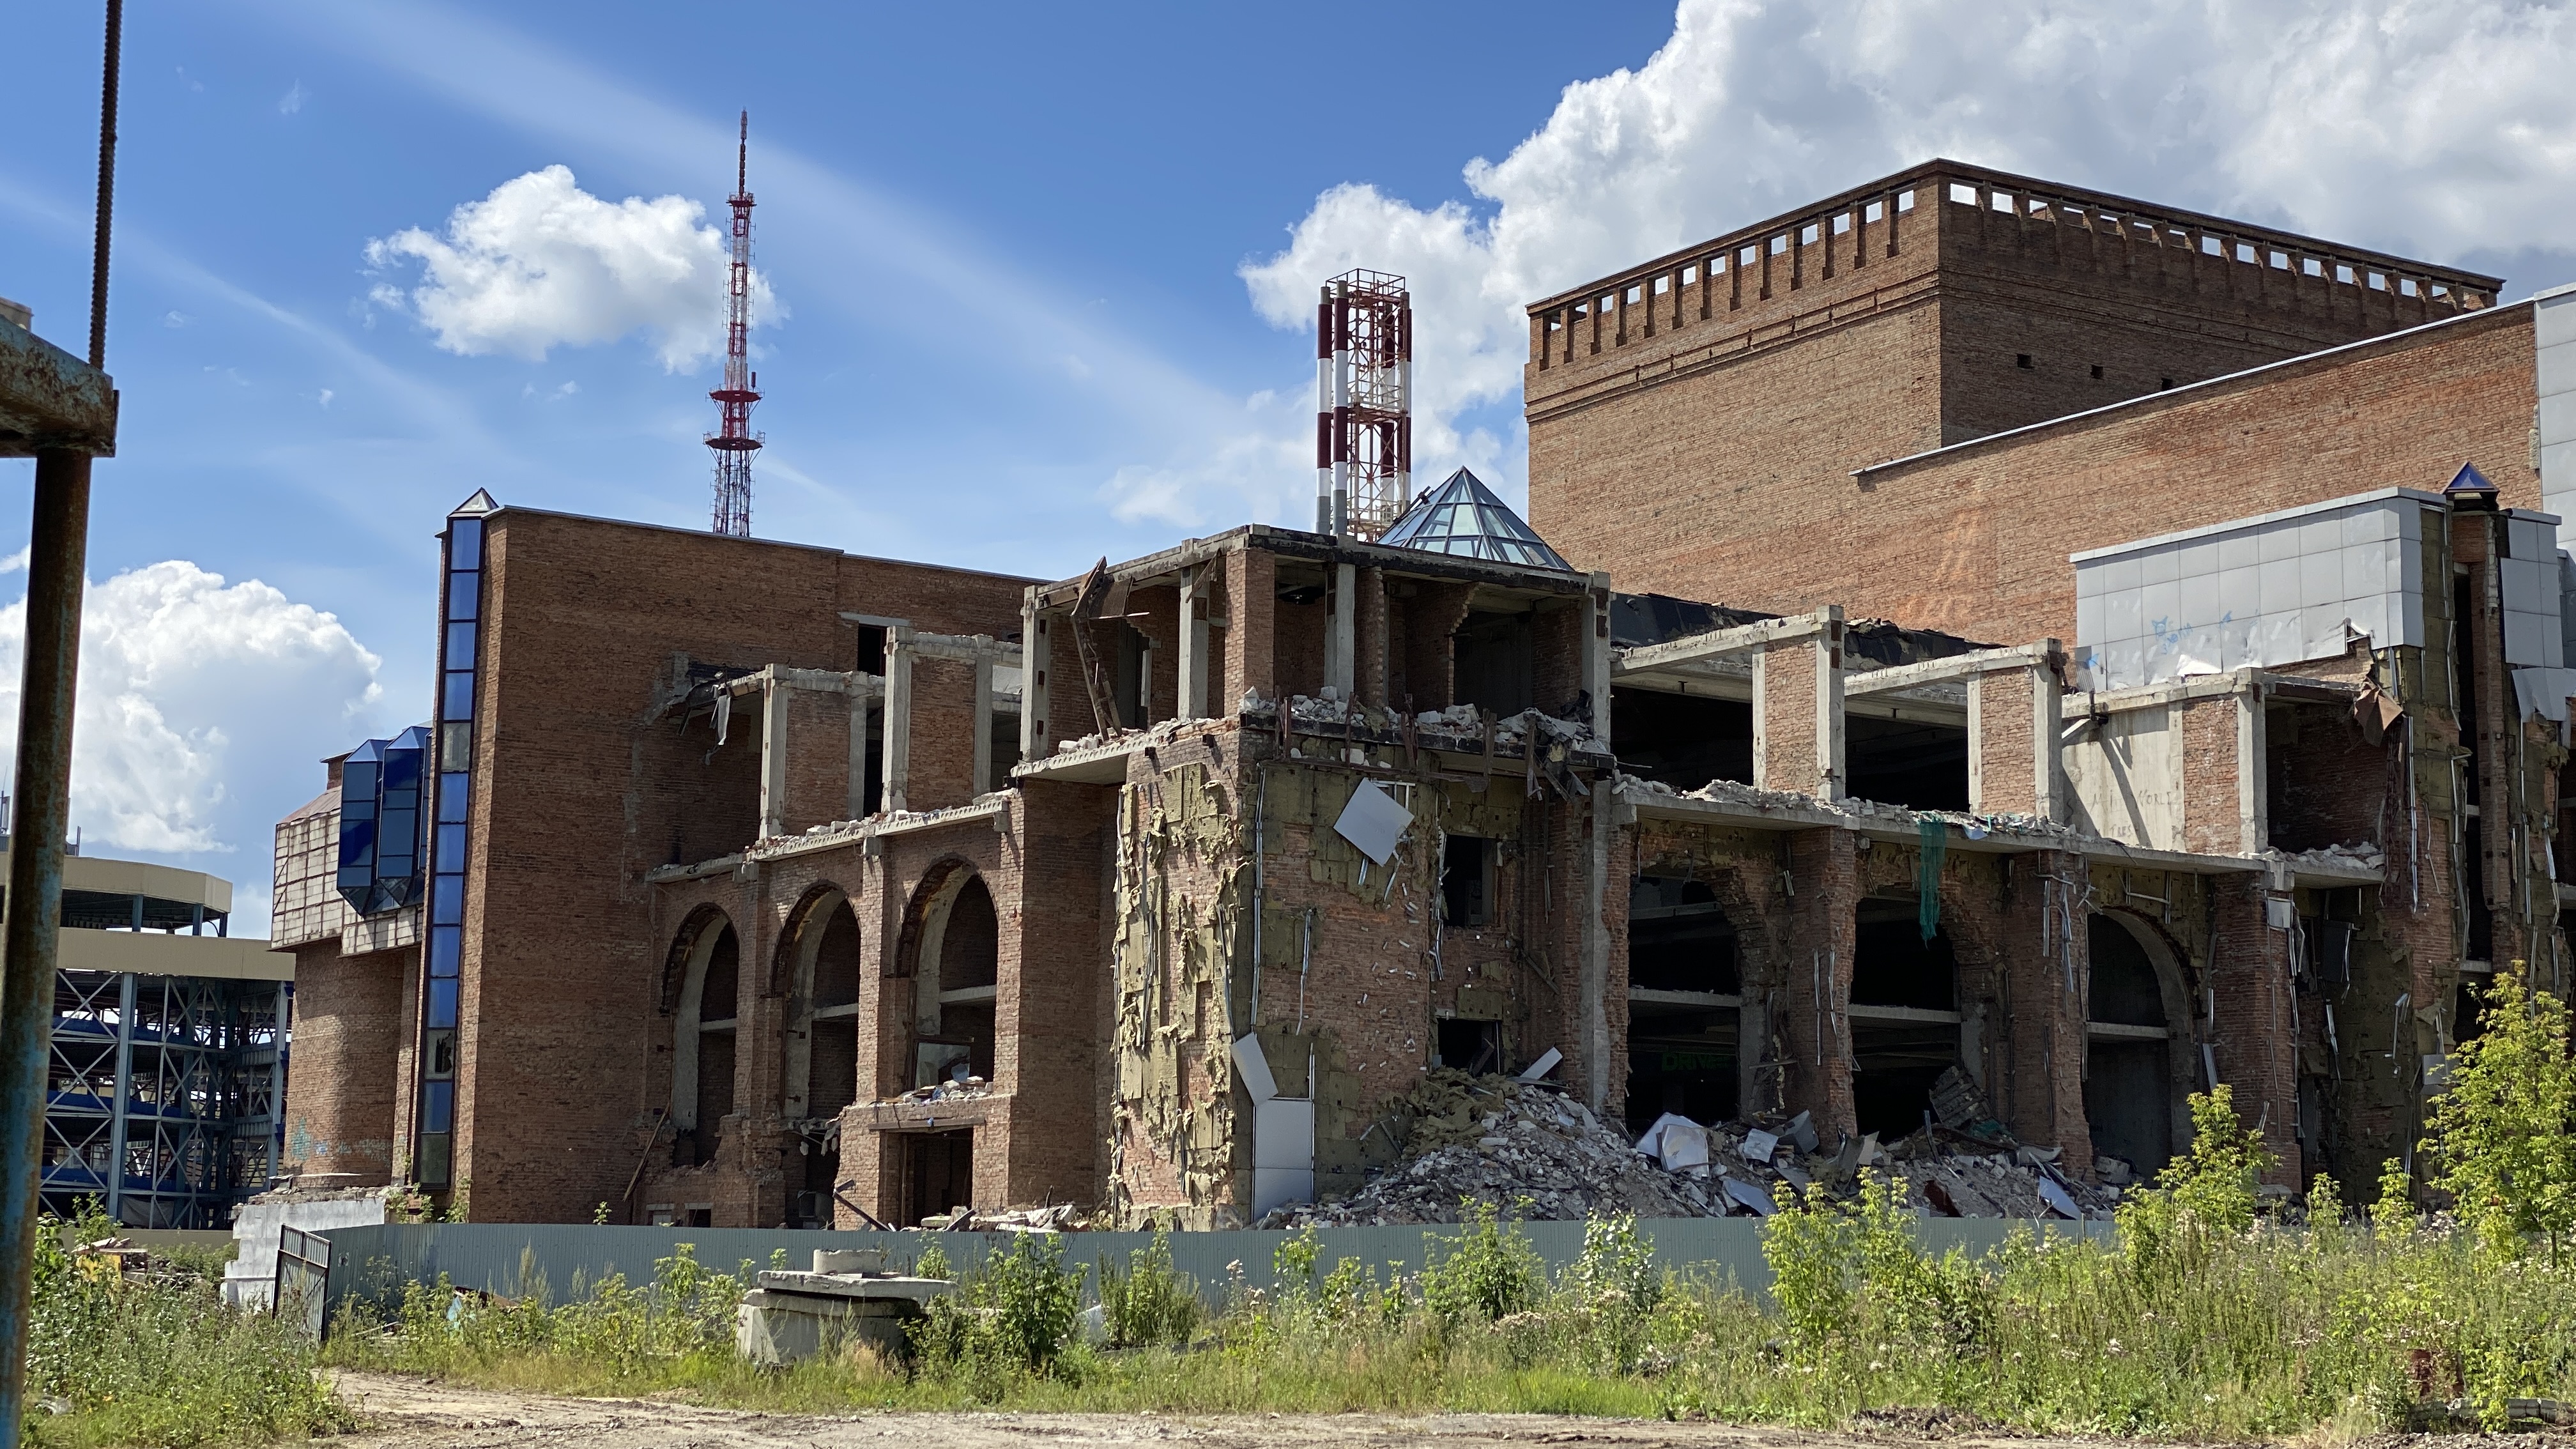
(541, 263)
(203, 709)
(2431, 128)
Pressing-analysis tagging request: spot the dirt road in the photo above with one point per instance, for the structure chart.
(409, 1414)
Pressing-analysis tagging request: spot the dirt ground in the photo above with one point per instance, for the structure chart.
(413, 1414)
(405, 1413)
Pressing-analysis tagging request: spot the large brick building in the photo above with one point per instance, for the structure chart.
(2132, 658)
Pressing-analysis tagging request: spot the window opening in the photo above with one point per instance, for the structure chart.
(2128, 1075)
(1685, 974)
(1467, 881)
(1904, 1016)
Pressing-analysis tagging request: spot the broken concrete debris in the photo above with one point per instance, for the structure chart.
(1498, 1140)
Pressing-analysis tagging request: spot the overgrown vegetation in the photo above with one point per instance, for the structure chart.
(2203, 1319)
(156, 1358)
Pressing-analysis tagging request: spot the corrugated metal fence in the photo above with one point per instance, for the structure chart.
(372, 1263)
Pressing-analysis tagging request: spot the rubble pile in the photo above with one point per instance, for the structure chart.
(1495, 1139)
(1499, 1140)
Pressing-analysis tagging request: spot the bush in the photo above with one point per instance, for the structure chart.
(2504, 1134)
(1148, 1303)
(157, 1358)
(1488, 1272)
(1009, 1318)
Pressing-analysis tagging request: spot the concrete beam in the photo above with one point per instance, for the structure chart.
(51, 400)
(1645, 658)
(1957, 666)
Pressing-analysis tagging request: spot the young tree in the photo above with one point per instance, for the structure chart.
(2503, 1135)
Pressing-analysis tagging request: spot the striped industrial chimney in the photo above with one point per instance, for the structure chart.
(1363, 404)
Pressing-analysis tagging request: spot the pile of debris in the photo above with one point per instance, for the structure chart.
(1062, 1217)
(1495, 1139)
(1500, 1140)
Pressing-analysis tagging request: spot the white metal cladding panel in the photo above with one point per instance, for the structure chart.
(2555, 331)
(2268, 592)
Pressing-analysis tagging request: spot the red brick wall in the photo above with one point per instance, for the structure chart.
(582, 790)
(1721, 468)
(340, 1094)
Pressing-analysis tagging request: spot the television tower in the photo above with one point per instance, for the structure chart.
(1363, 404)
(733, 442)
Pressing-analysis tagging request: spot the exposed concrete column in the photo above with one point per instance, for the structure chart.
(1341, 635)
(1035, 742)
(2252, 1038)
(1369, 624)
(1815, 1009)
(1593, 980)
(983, 780)
(2043, 975)
(773, 753)
(1596, 657)
(1192, 669)
(897, 744)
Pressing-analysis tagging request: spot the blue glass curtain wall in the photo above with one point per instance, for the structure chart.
(380, 826)
(452, 792)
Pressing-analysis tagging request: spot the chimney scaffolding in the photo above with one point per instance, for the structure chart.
(1363, 404)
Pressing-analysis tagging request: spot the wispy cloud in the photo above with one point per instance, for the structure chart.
(294, 99)
(970, 296)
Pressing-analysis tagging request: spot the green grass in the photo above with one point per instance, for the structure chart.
(158, 1360)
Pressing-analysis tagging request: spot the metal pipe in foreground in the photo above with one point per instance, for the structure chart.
(58, 561)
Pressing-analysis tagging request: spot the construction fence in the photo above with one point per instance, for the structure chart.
(371, 1264)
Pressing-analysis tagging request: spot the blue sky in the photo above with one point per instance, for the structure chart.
(1040, 267)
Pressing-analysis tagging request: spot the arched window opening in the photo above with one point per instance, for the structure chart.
(1904, 1014)
(960, 968)
(1684, 1002)
(819, 1051)
(703, 1040)
(2129, 1065)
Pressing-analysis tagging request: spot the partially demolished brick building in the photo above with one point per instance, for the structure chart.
(2004, 648)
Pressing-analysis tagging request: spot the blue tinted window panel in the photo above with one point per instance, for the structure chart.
(442, 1004)
(446, 950)
(437, 1106)
(446, 906)
(452, 793)
(460, 645)
(357, 843)
(464, 596)
(402, 772)
(457, 700)
(465, 543)
(451, 848)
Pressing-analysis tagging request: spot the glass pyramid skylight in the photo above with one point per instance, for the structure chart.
(1462, 516)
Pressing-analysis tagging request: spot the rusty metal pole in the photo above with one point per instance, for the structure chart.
(56, 567)
(57, 572)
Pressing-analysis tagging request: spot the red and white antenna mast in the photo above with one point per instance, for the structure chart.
(734, 442)
(1363, 404)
